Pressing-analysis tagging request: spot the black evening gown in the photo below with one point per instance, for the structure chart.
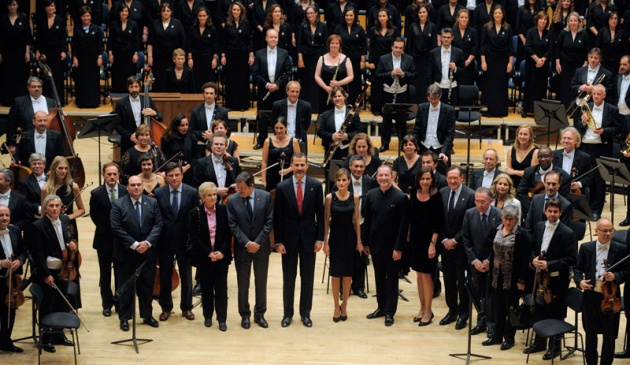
(425, 219)
(420, 41)
(572, 54)
(536, 78)
(520, 166)
(123, 44)
(203, 47)
(343, 238)
(613, 48)
(311, 45)
(86, 47)
(273, 176)
(13, 70)
(51, 41)
(469, 44)
(164, 42)
(406, 175)
(237, 44)
(497, 48)
(354, 46)
(184, 85)
(327, 74)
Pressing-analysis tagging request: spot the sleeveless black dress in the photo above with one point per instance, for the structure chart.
(343, 239)
(520, 166)
(273, 176)
(327, 74)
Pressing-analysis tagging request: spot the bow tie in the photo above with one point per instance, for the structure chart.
(447, 50)
(209, 106)
(291, 105)
(598, 108)
(567, 154)
(36, 101)
(136, 99)
(4, 231)
(551, 225)
(40, 136)
(434, 109)
(602, 246)
(43, 178)
(486, 173)
(625, 77)
(340, 111)
(218, 162)
(4, 196)
(271, 51)
(357, 183)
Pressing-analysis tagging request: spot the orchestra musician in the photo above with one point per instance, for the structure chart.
(40, 140)
(21, 215)
(585, 77)
(12, 256)
(573, 161)
(623, 104)
(204, 115)
(591, 275)
(445, 65)
(331, 122)
(484, 177)
(217, 167)
(435, 125)
(31, 186)
(430, 158)
(552, 181)
(296, 111)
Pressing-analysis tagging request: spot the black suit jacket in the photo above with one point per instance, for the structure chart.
(21, 115)
(19, 250)
(42, 242)
(21, 215)
(440, 180)
(561, 256)
(385, 224)
(611, 123)
(32, 192)
(477, 177)
(199, 122)
(303, 116)
(478, 246)
(54, 147)
(203, 170)
(128, 230)
(386, 65)
(260, 75)
(536, 211)
(454, 220)
(586, 262)
(199, 234)
(126, 124)
(435, 64)
(531, 177)
(445, 128)
(255, 230)
(173, 233)
(580, 77)
(581, 164)
(618, 80)
(298, 232)
(100, 209)
(327, 127)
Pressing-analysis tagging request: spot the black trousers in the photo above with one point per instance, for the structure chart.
(598, 189)
(454, 96)
(401, 120)
(6, 324)
(596, 322)
(358, 271)
(504, 299)
(244, 263)
(106, 266)
(307, 276)
(144, 288)
(454, 264)
(386, 280)
(166, 261)
(213, 278)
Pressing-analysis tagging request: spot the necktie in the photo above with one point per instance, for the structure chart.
(138, 212)
(250, 212)
(451, 203)
(299, 196)
(174, 203)
(484, 224)
(112, 194)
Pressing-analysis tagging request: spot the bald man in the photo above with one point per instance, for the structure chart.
(40, 140)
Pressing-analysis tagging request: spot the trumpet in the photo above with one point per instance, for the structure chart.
(627, 149)
(582, 98)
(590, 122)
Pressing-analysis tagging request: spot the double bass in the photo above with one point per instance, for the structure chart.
(57, 121)
(157, 129)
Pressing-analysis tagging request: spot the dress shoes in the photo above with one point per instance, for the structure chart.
(197, 289)
(623, 354)
(222, 326)
(151, 322)
(361, 294)
(377, 313)
(492, 341)
(188, 315)
(12, 348)
(551, 354)
(389, 320)
(107, 312)
(478, 329)
(506, 345)
(245, 323)
(49, 348)
(257, 146)
(64, 342)
(164, 316)
(124, 325)
(625, 222)
(207, 322)
(417, 319)
(260, 320)
(461, 323)
(448, 319)
(343, 318)
(336, 319)
(423, 323)
(383, 148)
(534, 348)
(286, 321)
(306, 321)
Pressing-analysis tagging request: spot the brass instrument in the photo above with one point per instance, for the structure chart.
(627, 149)
(590, 122)
(451, 75)
(333, 79)
(582, 98)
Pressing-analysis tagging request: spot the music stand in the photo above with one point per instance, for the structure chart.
(473, 114)
(262, 119)
(613, 170)
(398, 112)
(103, 125)
(581, 209)
(550, 113)
(129, 283)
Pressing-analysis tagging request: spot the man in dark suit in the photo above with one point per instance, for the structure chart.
(597, 140)
(536, 174)
(251, 219)
(204, 115)
(299, 235)
(331, 122)
(21, 215)
(584, 77)
(622, 84)
(560, 247)
(590, 276)
(430, 158)
(31, 186)
(484, 177)
(271, 72)
(435, 125)
(537, 207)
(296, 111)
(573, 161)
(396, 72)
(445, 63)
(40, 140)
(457, 199)
(136, 223)
(384, 234)
(24, 108)
(214, 168)
(176, 200)
(626, 294)
(478, 230)
(12, 256)
(130, 112)
(101, 200)
(47, 237)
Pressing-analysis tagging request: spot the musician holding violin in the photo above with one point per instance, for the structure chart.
(574, 162)
(12, 256)
(602, 304)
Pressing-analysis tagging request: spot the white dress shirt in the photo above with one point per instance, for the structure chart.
(219, 170)
(209, 114)
(136, 108)
(291, 118)
(590, 136)
(272, 56)
(40, 142)
(445, 57)
(567, 161)
(623, 91)
(6, 243)
(4, 198)
(39, 104)
(340, 116)
(550, 229)
(431, 140)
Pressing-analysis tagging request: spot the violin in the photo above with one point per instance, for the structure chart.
(71, 262)
(611, 303)
(15, 297)
(539, 188)
(226, 162)
(543, 292)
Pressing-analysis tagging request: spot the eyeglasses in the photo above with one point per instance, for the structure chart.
(606, 231)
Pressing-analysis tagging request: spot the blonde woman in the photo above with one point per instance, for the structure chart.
(503, 193)
(523, 154)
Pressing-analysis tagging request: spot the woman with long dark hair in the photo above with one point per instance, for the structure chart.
(203, 49)
(571, 48)
(165, 35)
(613, 41)
(381, 37)
(87, 58)
(275, 20)
(354, 42)
(407, 165)
(465, 37)
(421, 38)
(129, 162)
(539, 52)
(237, 56)
(15, 53)
(310, 44)
(447, 14)
(597, 17)
(178, 139)
(123, 45)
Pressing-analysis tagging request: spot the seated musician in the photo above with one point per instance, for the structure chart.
(12, 256)
(592, 276)
(217, 167)
(331, 124)
(574, 162)
(21, 215)
(31, 186)
(484, 177)
(130, 160)
(40, 140)
(532, 182)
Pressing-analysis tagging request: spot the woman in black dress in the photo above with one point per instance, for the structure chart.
(96, 10)
(465, 38)
(426, 213)
(597, 17)
(406, 166)
(560, 17)
(381, 37)
(522, 155)
(237, 56)
(497, 60)
(178, 139)
(333, 69)
(613, 41)
(278, 149)
(525, 22)
(571, 48)
(361, 145)
(259, 9)
(203, 50)
(343, 220)
(335, 13)
(87, 58)
(179, 78)
(275, 19)
(150, 180)
(123, 45)
(354, 42)
(447, 14)
(212, 255)
(421, 38)
(15, 53)
(165, 35)
(52, 33)
(186, 12)
(129, 162)
(539, 51)
(310, 45)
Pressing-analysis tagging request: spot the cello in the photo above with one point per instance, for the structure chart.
(157, 129)
(57, 121)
